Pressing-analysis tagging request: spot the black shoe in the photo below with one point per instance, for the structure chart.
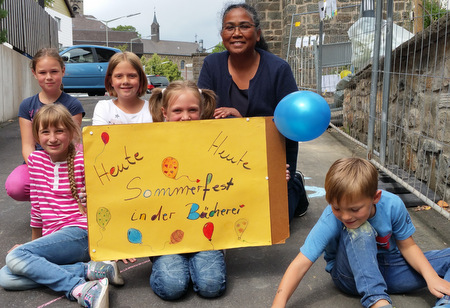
(303, 201)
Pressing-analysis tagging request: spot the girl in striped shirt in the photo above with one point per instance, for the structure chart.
(58, 251)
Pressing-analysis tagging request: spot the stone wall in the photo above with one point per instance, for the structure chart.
(197, 63)
(271, 15)
(419, 108)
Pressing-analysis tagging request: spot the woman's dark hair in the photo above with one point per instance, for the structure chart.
(262, 44)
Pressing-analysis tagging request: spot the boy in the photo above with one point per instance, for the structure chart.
(365, 234)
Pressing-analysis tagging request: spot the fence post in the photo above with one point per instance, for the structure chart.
(386, 81)
(374, 79)
(319, 59)
(290, 37)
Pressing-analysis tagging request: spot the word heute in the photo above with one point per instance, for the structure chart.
(218, 146)
(115, 171)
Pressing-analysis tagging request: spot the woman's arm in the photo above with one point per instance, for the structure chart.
(415, 257)
(26, 134)
(291, 279)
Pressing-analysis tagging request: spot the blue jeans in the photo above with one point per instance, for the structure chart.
(54, 260)
(171, 274)
(359, 270)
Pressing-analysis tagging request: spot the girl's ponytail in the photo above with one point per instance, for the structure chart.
(155, 105)
(70, 171)
(209, 104)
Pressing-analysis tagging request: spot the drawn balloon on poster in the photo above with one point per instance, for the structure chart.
(176, 236)
(134, 236)
(240, 226)
(208, 230)
(103, 217)
(105, 137)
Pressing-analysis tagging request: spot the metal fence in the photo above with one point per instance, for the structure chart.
(28, 26)
(396, 100)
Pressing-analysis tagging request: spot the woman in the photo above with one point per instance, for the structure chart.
(250, 81)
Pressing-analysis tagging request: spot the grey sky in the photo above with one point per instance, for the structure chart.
(179, 20)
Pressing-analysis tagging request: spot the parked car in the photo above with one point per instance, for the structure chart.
(86, 67)
(156, 81)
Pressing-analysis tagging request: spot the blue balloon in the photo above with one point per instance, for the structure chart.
(134, 236)
(302, 116)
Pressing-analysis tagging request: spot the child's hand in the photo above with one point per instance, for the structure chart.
(14, 247)
(83, 195)
(439, 287)
(225, 112)
(288, 174)
(131, 260)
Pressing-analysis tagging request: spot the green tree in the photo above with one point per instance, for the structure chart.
(123, 47)
(218, 48)
(126, 28)
(3, 14)
(158, 66)
(433, 11)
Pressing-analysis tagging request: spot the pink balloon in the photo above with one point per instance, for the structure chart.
(105, 137)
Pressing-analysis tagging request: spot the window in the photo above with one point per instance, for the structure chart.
(79, 55)
(182, 65)
(58, 21)
(104, 55)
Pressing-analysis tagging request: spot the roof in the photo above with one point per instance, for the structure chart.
(87, 22)
(173, 48)
(96, 35)
(88, 30)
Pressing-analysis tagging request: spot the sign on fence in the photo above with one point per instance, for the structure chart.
(179, 187)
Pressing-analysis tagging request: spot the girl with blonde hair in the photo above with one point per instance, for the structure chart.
(57, 253)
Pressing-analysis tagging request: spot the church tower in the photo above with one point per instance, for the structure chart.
(155, 29)
(77, 6)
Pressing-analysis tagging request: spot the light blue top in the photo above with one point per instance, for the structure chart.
(391, 222)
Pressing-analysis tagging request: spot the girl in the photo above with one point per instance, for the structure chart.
(126, 80)
(182, 101)
(171, 274)
(59, 245)
(48, 68)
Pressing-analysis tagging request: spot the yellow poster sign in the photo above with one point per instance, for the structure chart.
(179, 187)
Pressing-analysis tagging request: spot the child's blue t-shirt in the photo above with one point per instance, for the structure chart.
(391, 222)
(30, 106)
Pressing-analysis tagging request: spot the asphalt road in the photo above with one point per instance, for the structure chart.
(253, 273)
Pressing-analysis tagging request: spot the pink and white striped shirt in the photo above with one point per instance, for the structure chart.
(52, 204)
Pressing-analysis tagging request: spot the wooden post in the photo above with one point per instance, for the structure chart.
(418, 16)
